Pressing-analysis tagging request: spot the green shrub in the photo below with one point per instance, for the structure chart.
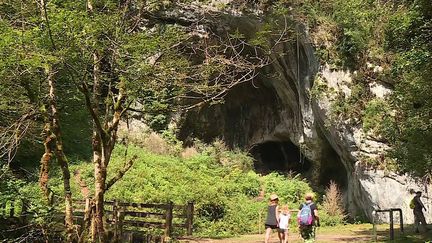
(226, 195)
(377, 116)
(290, 190)
(330, 220)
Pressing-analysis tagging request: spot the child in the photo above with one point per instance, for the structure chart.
(284, 219)
(272, 220)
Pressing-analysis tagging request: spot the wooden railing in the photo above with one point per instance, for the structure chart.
(122, 217)
(12, 209)
(125, 216)
(390, 211)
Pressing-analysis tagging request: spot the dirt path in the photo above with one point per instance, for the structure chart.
(343, 233)
(293, 238)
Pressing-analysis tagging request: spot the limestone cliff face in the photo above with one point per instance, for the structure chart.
(281, 118)
(367, 189)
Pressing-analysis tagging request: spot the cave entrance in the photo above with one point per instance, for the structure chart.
(284, 157)
(279, 156)
(332, 169)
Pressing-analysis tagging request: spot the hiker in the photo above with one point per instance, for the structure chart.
(308, 218)
(284, 219)
(418, 212)
(272, 221)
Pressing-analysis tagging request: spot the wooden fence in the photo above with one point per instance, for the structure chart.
(390, 211)
(12, 209)
(124, 216)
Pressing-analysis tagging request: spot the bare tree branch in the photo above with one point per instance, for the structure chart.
(11, 137)
(120, 173)
(90, 105)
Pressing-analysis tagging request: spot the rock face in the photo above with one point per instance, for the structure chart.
(379, 190)
(284, 117)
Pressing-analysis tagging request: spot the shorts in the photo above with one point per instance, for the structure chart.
(282, 230)
(271, 226)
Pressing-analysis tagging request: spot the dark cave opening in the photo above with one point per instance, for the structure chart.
(279, 156)
(332, 169)
(284, 157)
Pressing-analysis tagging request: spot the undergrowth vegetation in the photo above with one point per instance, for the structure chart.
(229, 197)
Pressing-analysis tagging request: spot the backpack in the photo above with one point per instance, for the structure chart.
(412, 204)
(305, 217)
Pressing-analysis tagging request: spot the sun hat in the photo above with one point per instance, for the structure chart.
(309, 196)
(273, 197)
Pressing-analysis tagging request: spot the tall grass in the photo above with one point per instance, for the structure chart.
(333, 213)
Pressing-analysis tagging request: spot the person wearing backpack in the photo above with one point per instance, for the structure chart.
(272, 220)
(307, 218)
(417, 206)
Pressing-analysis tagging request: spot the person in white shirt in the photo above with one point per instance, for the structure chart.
(284, 219)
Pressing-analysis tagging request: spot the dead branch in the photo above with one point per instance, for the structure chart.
(11, 137)
(120, 173)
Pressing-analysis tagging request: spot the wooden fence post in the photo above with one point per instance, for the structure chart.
(189, 217)
(400, 219)
(374, 227)
(115, 221)
(391, 225)
(23, 216)
(168, 220)
(87, 214)
(11, 209)
(120, 218)
(2, 208)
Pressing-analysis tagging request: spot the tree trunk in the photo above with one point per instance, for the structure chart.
(53, 131)
(61, 157)
(98, 217)
(46, 157)
(103, 140)
(98, 227)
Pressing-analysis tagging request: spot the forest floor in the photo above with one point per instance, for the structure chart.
(345, 233)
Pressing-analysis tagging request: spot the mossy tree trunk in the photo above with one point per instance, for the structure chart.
(60, 156)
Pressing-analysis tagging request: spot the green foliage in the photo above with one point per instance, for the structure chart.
(377, 117)
(395, 35)
(290, 191)
(9, 190)
(409, 38)
(24, 195)
(319, 88)
(276, 29)
(226, 196)
(350, 107)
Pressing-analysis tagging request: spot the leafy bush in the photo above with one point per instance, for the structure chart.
(377, 116)
(226, 195)
(26, 199)
(290, 190)
(9, 192)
